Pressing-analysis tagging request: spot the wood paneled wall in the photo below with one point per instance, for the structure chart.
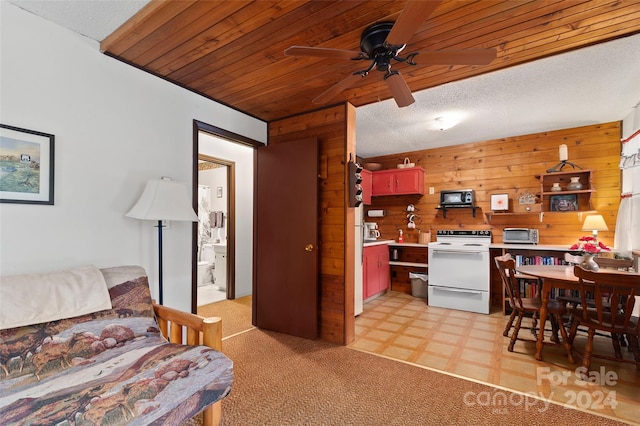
(499, 166)
(508, 166)
(335, 129)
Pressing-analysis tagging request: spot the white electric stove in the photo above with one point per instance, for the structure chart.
(459, 270)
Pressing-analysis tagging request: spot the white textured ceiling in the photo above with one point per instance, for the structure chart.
(95, 19)
(593, 85)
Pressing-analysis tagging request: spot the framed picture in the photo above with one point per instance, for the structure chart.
(26, 166)
(500, 202)
(563, 203)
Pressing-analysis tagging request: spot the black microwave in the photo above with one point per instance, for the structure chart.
(457, 197)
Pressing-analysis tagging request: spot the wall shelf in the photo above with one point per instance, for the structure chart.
(581, 214)
(490, 215)
(547, 180)
(582, 196)
(445, 208)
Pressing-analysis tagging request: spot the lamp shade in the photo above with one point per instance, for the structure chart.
(594, 223)
(163, 200)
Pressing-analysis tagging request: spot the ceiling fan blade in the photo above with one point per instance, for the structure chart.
(413, 15)
(458, 57)
(337, 88)
(321, 52)
(399, 89)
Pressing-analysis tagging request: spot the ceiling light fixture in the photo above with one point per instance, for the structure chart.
(444, 122)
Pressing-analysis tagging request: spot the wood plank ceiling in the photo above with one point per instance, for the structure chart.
(232, 51)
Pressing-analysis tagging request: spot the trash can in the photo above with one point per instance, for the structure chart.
(419, 283)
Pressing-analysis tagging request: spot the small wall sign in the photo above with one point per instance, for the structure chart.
(500, 202)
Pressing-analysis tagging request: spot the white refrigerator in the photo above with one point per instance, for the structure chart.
(359, 241)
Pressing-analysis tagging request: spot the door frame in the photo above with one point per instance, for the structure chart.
(198, 127)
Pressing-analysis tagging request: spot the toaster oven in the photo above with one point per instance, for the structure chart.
(520, 236)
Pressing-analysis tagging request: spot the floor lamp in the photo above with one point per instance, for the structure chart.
(163, 199)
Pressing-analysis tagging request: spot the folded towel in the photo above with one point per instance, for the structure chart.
(216, 219)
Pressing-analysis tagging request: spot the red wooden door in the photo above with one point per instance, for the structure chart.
(384, 272)
(285, 292)
(369, 272)
(376, 269)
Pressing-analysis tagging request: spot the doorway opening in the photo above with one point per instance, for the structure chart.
(216, 198)
(223, 170)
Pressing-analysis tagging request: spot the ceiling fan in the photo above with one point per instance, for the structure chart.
(382, 42)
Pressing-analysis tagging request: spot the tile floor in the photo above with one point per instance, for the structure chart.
(210, 293)
(472, 346)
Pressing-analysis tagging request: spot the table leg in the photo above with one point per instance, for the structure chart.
(543, 318)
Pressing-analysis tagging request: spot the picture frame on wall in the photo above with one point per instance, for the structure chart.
(563, 203)
(26, 166)
(500, 202)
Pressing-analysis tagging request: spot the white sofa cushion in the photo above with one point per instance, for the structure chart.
(36, 298)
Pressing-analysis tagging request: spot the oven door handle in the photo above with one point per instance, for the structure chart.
(458, 290)
(456, 251)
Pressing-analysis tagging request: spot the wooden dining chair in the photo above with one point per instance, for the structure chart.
(612, 263)
(520, 306)
(615, 317)
(574, 301)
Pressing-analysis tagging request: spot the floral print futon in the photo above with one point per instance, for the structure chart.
(109, 367)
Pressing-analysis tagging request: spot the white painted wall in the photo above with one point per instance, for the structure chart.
(116, 127)
(243, 158)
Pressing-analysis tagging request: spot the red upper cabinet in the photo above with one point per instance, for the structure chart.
(398, 182)
(366, 187)
(382, 182)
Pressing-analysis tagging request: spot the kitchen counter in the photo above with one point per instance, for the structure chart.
(397, 244)
(377, 243)
(411, 264)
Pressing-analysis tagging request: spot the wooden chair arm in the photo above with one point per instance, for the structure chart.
(200, 330)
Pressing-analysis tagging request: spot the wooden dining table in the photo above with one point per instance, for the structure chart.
(553, 276)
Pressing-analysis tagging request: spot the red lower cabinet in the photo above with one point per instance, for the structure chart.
(375, 272)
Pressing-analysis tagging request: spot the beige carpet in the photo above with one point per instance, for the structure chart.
(235, 314)
(284, 380)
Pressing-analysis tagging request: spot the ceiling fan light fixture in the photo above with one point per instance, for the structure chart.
(381, 43)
